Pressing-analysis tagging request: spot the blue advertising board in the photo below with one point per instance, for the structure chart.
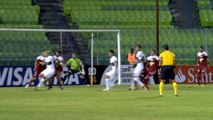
(11, 76)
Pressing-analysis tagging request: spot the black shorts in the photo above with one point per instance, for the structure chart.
(167, 72)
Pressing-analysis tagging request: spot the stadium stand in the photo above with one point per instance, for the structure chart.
(20, 48)
(135, 19)
(206, 12)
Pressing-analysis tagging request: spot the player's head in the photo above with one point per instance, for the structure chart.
(131, 50)
(138, 47)
(74, 55)
(153, 51)
(46, 53)
(201, 48)
(111, 53)
(166, 47)
(58, 53)
(42, 52)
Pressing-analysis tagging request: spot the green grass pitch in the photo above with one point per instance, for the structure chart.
(91, 103)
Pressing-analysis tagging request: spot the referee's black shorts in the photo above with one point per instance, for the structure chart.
(167, 72)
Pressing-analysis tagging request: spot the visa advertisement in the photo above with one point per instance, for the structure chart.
(18, 76)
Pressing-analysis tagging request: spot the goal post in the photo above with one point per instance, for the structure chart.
(92, 31)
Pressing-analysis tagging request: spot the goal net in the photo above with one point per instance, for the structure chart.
(26, 43)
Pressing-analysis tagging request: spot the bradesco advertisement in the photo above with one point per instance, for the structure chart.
(19, 76)
(187, 75)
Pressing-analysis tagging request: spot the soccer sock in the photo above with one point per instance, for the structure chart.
(161, 87)
(41, 82)
(175, 87)
(139, 82)
(111, 83)
(107, 83)
(132, 84)
(198, 79)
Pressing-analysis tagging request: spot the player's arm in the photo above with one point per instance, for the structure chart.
(68, 63)
(45, 63)
(208, 61)
(174, 62)
(115, 63)
(197, 60)
(82, 65)
(35, 65)
(140, 59)
(60, 61)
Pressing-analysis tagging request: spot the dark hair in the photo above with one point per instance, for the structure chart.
(59, 52)
(139, 46)
(153, 50)
(111, 51)
(42, 50)
(201, 47)
(166, 47)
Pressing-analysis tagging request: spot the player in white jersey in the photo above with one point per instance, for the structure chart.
(139, 63)
(50, 69)
(112, 73)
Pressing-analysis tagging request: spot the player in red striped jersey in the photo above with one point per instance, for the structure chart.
(151, 69)
(59, 67)
(202, 65)
(38, 68)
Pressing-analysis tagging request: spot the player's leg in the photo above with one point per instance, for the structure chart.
(42, 80)
(136, 75)
(45, 75)
(58, 77)
(162, 80)
(107, 82)
(174, 83)
(203, 78)
(30, 82)
(138, 81)
(146, 79)
(198, 77)
(35, 76)
(175, 86)
(50, 80)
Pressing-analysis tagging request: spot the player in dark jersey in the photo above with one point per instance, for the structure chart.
(38, 68)
(59, 67)
(201, 67)
(150, 69)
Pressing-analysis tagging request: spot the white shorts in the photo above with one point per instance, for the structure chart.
(111, 73)
(48, 73)
(138, 69)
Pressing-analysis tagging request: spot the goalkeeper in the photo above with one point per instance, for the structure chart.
(76, 67)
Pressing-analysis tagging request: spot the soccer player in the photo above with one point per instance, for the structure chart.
(151, 69)
(58, 67)
(167, 63)
(76, 66)
(202, 65)
(112, 73)
(139, 63)
(49, 71)
(38, 68)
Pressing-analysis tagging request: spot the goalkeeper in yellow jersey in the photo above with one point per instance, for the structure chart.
(167, 63)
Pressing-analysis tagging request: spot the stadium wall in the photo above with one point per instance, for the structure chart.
(14, 76)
